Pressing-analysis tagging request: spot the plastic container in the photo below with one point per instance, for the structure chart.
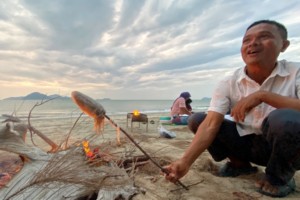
(165, 120)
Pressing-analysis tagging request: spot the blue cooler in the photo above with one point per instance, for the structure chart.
(165, 120)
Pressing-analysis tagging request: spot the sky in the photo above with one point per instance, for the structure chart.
(130, 49)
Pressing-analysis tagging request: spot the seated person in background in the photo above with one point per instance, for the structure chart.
(179, 111)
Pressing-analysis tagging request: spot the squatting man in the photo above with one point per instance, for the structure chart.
(263, 100)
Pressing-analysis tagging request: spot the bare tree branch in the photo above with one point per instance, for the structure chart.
(32, 130)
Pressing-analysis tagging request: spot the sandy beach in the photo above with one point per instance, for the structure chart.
(201, 181)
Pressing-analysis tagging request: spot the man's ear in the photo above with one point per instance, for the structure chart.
(286, 44)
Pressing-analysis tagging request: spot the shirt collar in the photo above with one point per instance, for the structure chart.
(279, 70)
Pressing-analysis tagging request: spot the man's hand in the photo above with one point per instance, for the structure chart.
(176, 170)
(239, 111)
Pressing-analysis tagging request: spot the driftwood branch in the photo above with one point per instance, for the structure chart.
(10, 118)
(54, 146)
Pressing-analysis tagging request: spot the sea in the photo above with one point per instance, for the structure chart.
(57, 118)
(66, 108)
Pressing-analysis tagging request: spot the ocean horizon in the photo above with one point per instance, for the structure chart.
(66, 108)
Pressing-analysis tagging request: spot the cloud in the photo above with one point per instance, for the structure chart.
(122, 49)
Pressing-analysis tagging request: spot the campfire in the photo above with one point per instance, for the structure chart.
(87, 150)
(94, 155)
(65, 171)
(136, 113)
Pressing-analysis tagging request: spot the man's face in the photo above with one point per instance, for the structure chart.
(262, 45)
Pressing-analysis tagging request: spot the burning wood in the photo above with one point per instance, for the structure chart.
(61, 175)
(97, 157)
(95, 110)
(136, 113)
(87, 150)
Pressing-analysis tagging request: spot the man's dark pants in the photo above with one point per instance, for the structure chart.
(278, 148)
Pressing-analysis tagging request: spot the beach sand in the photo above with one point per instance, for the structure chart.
(201, 181)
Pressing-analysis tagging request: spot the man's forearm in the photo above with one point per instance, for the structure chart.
(204, 136)
(279, 101)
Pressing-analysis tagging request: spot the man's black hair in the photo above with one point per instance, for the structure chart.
(282, 30)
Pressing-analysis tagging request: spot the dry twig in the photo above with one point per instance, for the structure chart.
(33, 130)
(71, 168)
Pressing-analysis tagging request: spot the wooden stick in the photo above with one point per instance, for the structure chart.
(53, 145)
(144, 152)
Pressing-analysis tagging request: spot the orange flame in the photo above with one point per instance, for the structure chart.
(86, 148)
(136, 113)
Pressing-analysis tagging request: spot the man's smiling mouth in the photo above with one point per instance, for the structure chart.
(251, 52)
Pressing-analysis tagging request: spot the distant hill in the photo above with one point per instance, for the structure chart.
(37, 96)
